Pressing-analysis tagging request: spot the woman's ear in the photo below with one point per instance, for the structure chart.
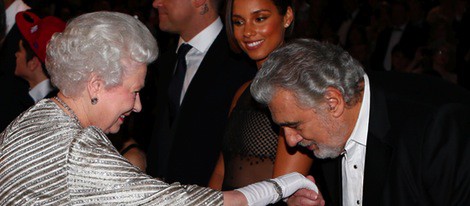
(94, 86)
(288, 17)
(334, 101)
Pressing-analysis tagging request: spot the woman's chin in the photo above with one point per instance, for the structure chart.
(112, 130)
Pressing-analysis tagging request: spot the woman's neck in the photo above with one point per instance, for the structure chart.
(259, 63)
(74, 109)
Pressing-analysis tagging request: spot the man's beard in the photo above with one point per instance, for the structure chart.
(324, 151)
(336, 132)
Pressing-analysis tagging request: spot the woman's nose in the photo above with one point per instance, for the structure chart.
(249, 30)
(137, 104)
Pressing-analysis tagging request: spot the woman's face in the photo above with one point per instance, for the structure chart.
(258, 27)
(117, 103)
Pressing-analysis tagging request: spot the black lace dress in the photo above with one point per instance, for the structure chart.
(250, 143)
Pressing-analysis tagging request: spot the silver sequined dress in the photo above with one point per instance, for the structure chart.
(46, 158)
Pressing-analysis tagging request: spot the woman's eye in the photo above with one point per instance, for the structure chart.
(237, 22)
(260, 19)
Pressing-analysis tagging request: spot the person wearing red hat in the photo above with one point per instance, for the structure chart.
(14, 93)
(30, 57)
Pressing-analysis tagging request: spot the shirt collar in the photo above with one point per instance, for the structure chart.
(12, 10)
(41, 90)
(400, 28)
(204, 39)
(359, 134)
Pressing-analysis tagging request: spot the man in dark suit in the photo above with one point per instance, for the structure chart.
(30, 59)
(31, 55)
(377, 143)
(187, 136)
(15, 97)
(354, 14)
(401, 31)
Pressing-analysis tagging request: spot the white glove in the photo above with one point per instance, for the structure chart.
(271, 191)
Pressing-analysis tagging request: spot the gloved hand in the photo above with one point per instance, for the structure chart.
(273, 190)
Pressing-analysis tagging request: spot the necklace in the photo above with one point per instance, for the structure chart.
(72, 114)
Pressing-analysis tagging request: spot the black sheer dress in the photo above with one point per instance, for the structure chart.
(250, 143)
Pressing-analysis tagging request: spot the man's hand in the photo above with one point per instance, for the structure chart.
(306, 197)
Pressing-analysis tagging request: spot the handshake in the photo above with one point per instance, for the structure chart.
(302, 191)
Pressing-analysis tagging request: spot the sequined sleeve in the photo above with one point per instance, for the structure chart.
(99, 174)
(47, 158)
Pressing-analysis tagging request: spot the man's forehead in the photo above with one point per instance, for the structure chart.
(281, 100)
(282, 106)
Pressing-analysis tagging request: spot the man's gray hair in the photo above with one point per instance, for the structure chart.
(307, 68)
(97, 43)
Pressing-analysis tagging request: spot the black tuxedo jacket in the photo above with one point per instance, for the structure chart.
(412, 38)
(15, 98)
(187, 150)
(13, 103)
(418, 145)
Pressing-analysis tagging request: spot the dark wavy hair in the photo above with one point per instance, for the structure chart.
(281, 5)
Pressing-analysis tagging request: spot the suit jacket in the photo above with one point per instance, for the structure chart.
(417, 145)
(13, 103)
(412, 38)
(15, 98)
(187, 150)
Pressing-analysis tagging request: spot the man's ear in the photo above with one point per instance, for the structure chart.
(94, 86)
(34, 64)
(334, 101)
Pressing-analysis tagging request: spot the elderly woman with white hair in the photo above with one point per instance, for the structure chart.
(57, 153)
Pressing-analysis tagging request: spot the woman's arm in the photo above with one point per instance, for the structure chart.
(290, 159)
(132, 152)
(217, 177)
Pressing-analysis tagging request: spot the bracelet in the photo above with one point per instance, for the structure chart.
(277, 188)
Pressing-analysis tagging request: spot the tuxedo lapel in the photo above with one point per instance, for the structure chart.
(165, 68)
(379, 150)
(331, 188)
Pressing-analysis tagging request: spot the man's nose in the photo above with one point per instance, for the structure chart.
(292, 136)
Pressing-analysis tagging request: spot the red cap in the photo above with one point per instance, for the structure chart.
(38, 31)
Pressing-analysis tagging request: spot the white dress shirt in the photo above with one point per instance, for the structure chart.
(41, 90)
(200, 43)
(345, 26)
(394, 39)
(12, 10)
(354, 158)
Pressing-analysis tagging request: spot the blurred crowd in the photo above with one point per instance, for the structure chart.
(429, 37)
(196, 98)
(417, 36)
